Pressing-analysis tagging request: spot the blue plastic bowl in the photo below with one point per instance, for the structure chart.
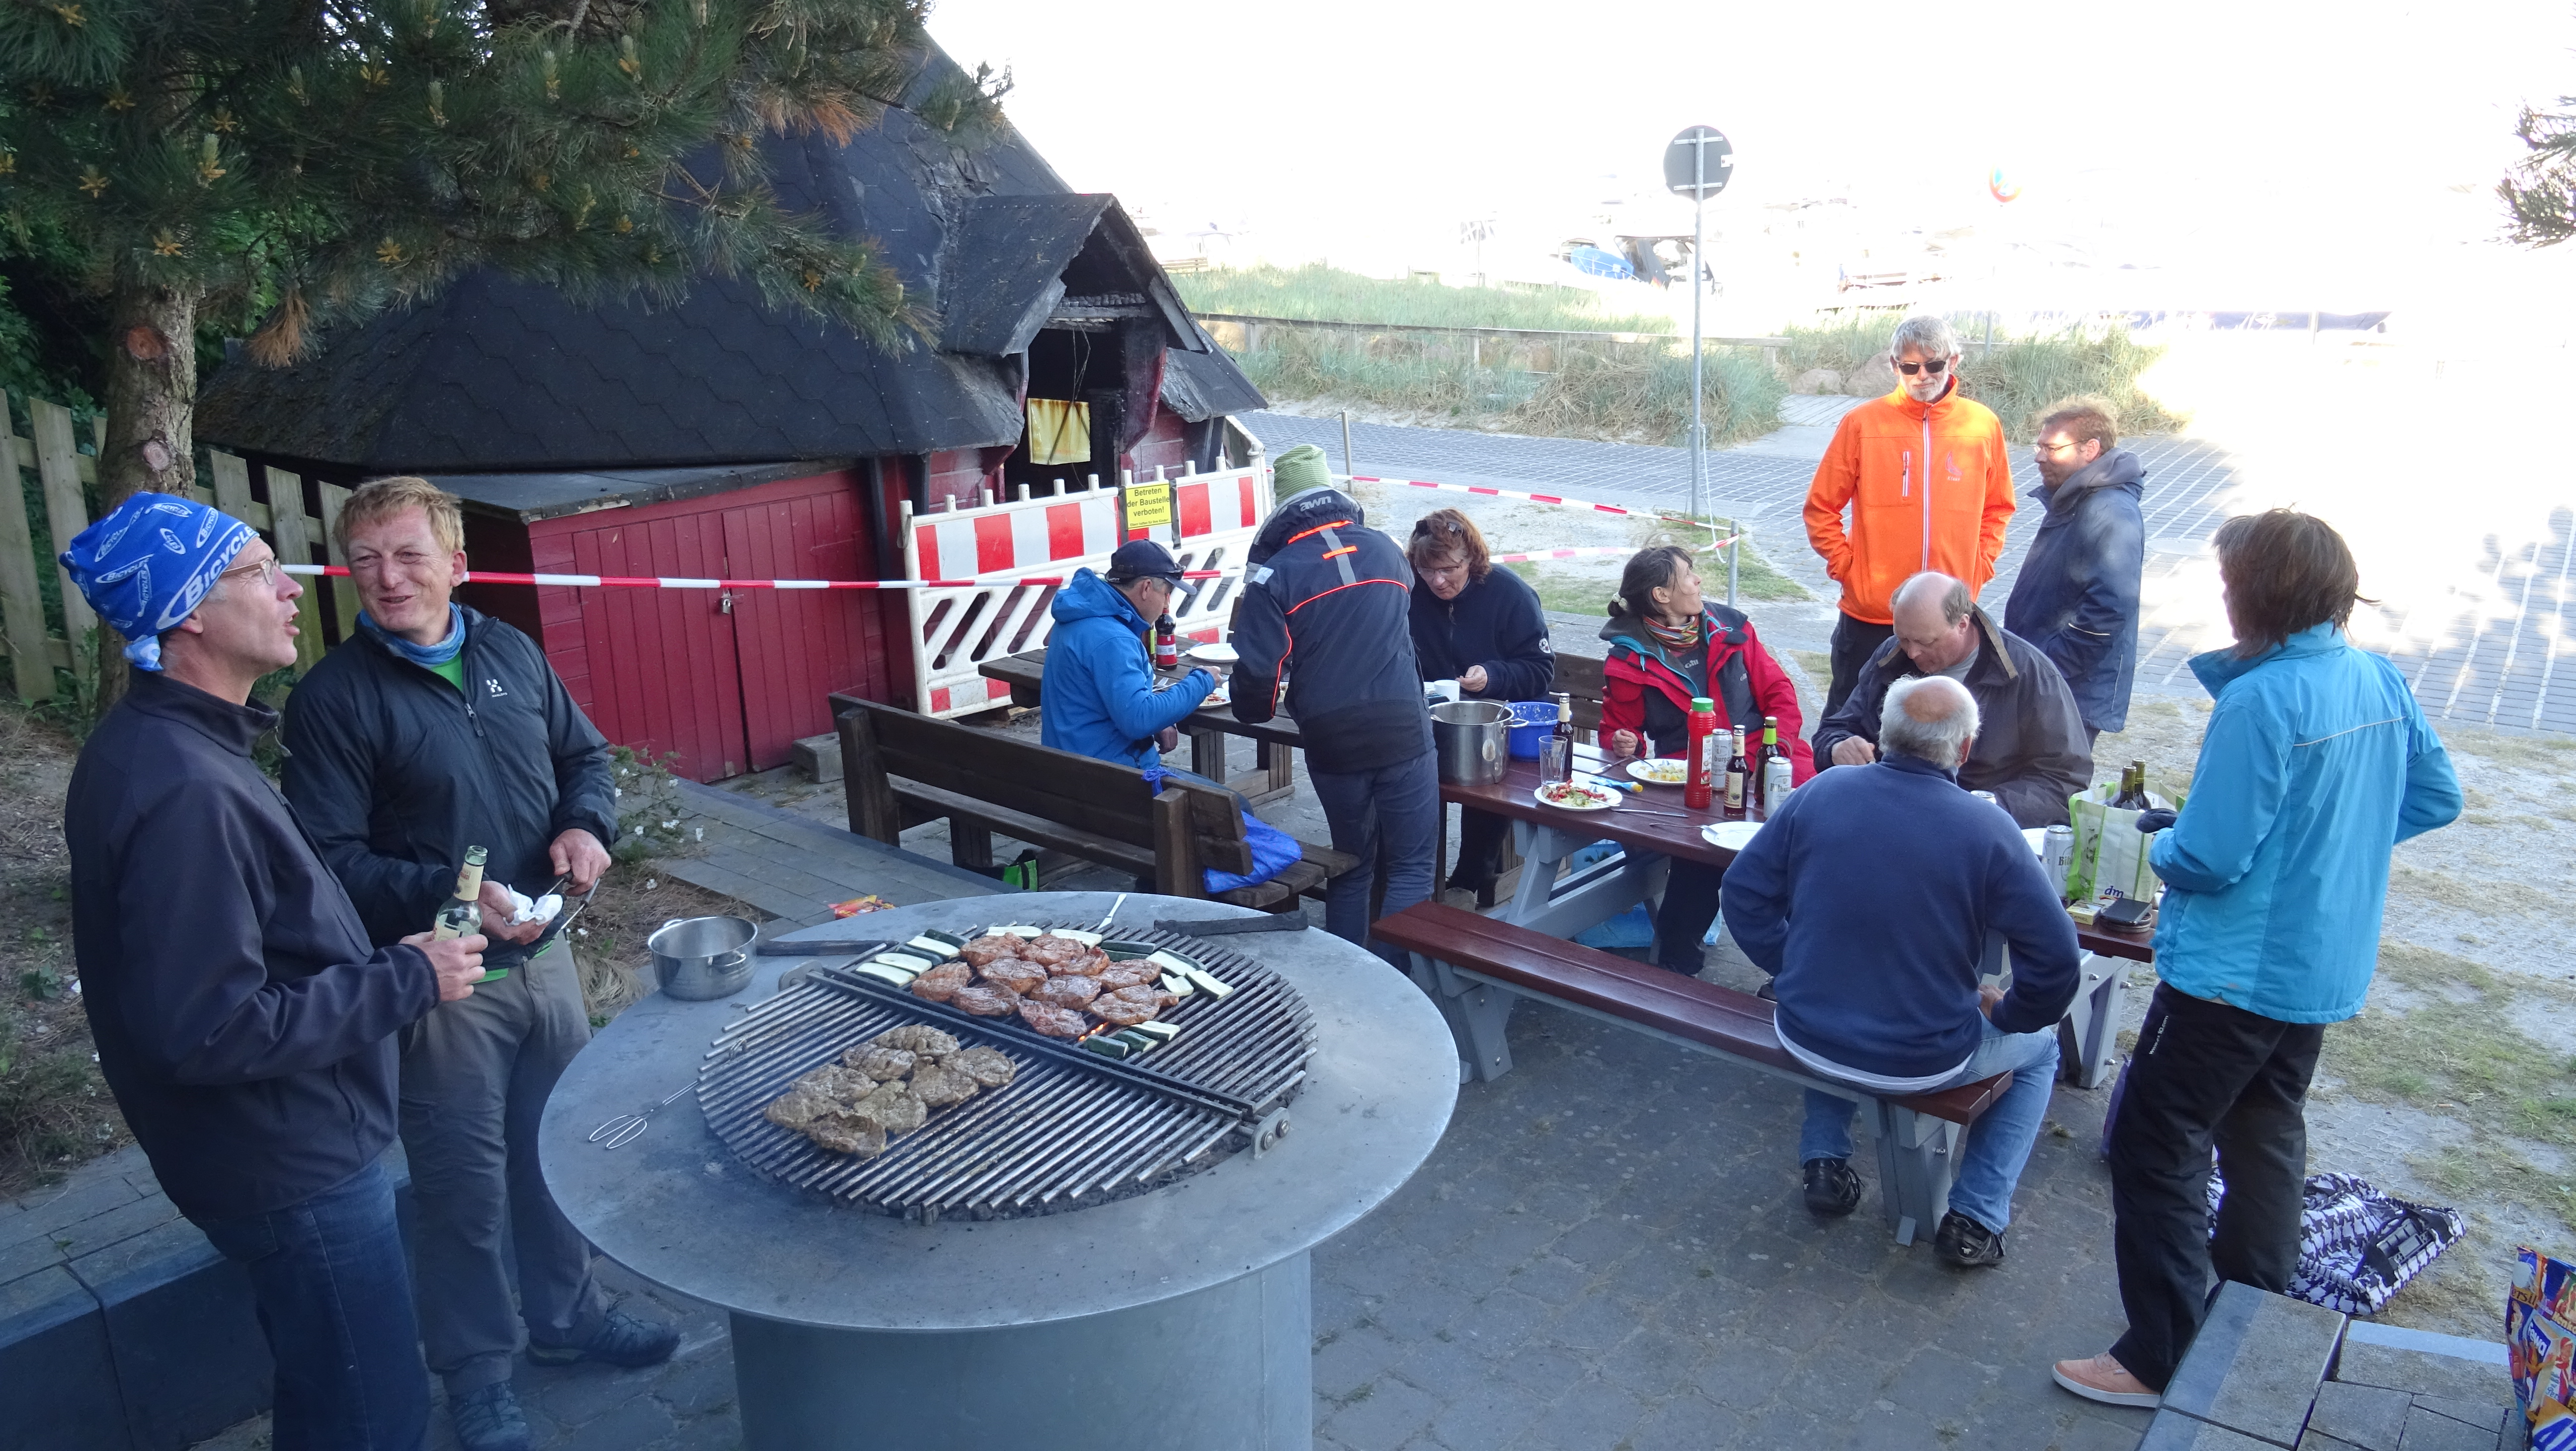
(1532, 722)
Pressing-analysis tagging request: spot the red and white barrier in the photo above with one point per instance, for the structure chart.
(1557, 499)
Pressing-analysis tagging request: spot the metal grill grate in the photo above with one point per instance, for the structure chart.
(1072, 1129)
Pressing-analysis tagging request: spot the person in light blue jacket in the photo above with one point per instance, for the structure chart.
(2315, 764)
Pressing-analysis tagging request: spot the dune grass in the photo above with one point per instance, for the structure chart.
(2019, 376)
(1321, 293)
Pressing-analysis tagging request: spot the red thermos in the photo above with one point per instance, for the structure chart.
(1167, 655)
(1700, 788)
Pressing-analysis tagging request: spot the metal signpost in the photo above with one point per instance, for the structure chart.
(1698, 163)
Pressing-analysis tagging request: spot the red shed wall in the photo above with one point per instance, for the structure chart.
(1165, 445)
(674, 671)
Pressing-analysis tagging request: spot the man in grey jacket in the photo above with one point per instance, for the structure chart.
(2076, 597)
(2031, 751)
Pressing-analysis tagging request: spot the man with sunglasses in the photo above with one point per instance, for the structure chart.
(243, 1020)
(1927, 482)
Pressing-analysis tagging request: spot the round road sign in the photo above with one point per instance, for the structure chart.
(1682, 163)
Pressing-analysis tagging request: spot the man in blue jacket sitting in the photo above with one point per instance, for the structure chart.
(2316, 763)
(1100, 696)
(1869, 897)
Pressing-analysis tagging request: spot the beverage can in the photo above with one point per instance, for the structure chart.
(1987, 797)
(1775, 783)
(2057, 855)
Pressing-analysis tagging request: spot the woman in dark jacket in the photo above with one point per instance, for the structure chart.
(1667, 645)
(1481, 627)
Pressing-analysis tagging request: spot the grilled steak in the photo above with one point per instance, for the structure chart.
(942, 982)
(880, 1064)
(1128, 1006)
(986, 1000)
(987, 1066)
(939, 1087)
(836, 1083)
(897, 1107)
(915, 1038)
(1068, 991)
(1016, 973)
(858, 1135)
(1089, 962)
(798, 1107)
(1053, 1021)
(1129, 974)
(990, 949)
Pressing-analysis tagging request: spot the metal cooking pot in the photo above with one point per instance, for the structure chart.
(697, 958)
(1472, 738)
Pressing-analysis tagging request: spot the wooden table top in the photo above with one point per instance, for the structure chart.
(1651, 820)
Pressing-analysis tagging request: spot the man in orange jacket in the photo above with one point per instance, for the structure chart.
(1928, 482)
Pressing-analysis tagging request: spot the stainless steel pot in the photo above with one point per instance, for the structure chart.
(1473, 739)
(697, 958)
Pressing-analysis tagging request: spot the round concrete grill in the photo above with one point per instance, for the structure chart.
(1071, 1130)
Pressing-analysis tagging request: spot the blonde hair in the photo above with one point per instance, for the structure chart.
(381, 499)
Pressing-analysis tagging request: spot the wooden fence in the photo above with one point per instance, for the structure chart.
(27, 635)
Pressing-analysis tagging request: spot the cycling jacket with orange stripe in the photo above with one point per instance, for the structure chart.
(1326, 603)
(1929, 486)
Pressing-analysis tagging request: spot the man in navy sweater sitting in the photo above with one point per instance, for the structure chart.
(1876, 965)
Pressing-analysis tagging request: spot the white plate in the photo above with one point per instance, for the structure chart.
(1732, 835)
(1609, 799)
(1644, 771)
(1214, 654)
(1214, 699)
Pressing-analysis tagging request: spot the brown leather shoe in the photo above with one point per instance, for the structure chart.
(2104, 1379)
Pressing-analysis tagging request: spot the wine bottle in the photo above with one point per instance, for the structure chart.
(461, 915)
(1700, 778)
(1565, 730)
(2133, 788)
(1759, 782)
(1735, 774)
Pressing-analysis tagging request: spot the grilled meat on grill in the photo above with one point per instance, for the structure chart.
(987, 1066)
(1068, 991)
(942, 982)
(1089, 962)
(1049, 950)
(880, 1064)
(1016, 973)
(1129, 974)
(836, 1083)
(941, 1086)
(1053, 1021)
(798, 1107)
(897, 1107)
(986, 1000)
(1128, 1006)
(858, 1135)
(915, 1038)
(990, 949)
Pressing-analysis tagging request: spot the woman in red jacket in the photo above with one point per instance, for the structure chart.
(1667, 645)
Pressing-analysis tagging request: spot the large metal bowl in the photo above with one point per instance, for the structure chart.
(698, 958)
(1472, 740)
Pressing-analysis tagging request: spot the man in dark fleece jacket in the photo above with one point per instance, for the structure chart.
(1870, 897)
(1325, 603)
(2076, 597)
(242, 1020)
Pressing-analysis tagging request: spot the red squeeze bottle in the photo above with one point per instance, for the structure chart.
(1700, 789)
(1167, 655)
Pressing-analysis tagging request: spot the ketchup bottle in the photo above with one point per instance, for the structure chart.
(1699, 789)
(1167, 655)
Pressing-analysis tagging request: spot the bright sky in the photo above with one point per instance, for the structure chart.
(2276, 139)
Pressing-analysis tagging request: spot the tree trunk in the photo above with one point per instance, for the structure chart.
(150, 440)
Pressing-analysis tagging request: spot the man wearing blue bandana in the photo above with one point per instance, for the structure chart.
(243, 1020)
(432, 730)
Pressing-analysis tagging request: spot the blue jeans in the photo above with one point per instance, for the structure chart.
(1998, 1143)
(334, 1295)
(1389, 818)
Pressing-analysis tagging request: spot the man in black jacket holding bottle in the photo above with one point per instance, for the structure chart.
(1325, 603)
(435, 729)
(243, 1021)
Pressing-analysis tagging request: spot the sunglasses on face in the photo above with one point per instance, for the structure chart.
(1933, 367)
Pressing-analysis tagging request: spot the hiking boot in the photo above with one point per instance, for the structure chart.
(1833, 1190)
(1965, 1243)
(489, 1419)
(621, 1339)
(2103, 1378)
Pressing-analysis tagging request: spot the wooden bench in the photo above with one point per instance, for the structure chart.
(1472, 966)
(900, 770)
(1580, 677)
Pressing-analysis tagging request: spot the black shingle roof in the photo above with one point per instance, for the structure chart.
(501, 375)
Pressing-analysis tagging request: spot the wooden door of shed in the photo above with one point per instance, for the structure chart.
(797, 647)
(664, 676)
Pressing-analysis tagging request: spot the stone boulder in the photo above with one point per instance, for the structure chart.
(1871, 378)
(1818, 380)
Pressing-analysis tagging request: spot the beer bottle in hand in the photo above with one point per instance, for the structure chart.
(1736, 771)
(461, 916)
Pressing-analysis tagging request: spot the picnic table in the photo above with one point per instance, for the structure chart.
(1207, 727)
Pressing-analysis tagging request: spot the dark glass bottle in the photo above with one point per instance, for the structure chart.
(1167, 654)
(1736, 771)
(1565, 731)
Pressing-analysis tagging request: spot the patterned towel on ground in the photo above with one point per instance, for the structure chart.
(2357, 1246)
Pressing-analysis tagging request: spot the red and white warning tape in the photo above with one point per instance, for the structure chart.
(1556, 499)
(643, 581)
(1595, 552)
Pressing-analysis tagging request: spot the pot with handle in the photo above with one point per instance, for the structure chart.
(1472, 740)
(699, 958)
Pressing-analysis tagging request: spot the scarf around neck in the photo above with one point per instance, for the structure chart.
(1681, 646)
(427, 657)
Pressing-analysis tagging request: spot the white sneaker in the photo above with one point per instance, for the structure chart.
(2104, 1379)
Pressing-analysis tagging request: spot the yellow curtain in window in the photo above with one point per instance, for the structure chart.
(1059, 431)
